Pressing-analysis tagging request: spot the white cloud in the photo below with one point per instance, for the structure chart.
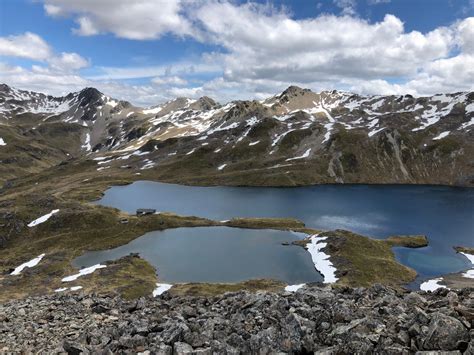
(30, 45)
(380, 87)
(27, 45)
(348, 7)
(261, 50)
(169, 80)
(376, 2)
(177, 69)
(41, 79)
(68, 62)
(138, 19)
(322, 48)
(86, 27)
(465, 31)
(52, 10)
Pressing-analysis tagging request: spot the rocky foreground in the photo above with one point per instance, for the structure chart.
(314, 319)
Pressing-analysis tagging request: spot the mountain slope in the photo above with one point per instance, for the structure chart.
(294, 138)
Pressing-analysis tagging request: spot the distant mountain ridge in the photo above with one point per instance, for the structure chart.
(330, 136)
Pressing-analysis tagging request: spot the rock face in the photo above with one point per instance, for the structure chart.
(314, 319)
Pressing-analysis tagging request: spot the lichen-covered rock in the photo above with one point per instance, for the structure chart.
(323, 320)
(445, 333)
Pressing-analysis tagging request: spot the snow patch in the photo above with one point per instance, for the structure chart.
(87, 143)
(152, 110)
(2, 142)
(293, 288)
(244, 135)
(252, 121)
(467, 124)
(432, 285)
(42, 219)
(328, 128)
(279, 137)
(82, 272)
(470, 108)
(111, 102)
(161, 288)
(469, 256)
(441, 135)
(442, 98)
(73, 288)
(221, 166)
(31, 263)
(304, 155)
(375, 131)
(320, 259)
(469, 273)
(225, 128)
(254, 143)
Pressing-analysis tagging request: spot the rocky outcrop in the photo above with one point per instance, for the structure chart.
(314, 319)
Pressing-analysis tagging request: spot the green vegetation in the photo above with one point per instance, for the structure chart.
(211, 289)
(293, 139)
(130, 277)
(362, 261)
(262, 128)
(465, 250)
(456, 281)
(73, 231)
(446, 145)
(349, 162)
(81, 226)
(408, 241)
(266, 223)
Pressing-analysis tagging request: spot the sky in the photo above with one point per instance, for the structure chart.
(150, 51)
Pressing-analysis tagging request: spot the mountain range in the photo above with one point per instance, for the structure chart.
(296, 137)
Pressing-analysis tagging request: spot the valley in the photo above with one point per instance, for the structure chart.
(70, 150)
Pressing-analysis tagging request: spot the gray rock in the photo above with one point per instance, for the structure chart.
(444, 333)
(74, 348)
(182, 349)
(323, 320)
(456, 352)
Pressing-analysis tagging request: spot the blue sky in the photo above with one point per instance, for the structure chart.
(154, 50)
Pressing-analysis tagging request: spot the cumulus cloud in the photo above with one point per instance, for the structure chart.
(465, 30)
(327, 47)
(30, 45)
(56, 73)
(41, 79)
(139, 19)
(260, 49)
(27, 45)
(348, 7)
(68, 62)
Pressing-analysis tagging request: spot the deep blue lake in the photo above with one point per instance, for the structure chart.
(444, 214)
